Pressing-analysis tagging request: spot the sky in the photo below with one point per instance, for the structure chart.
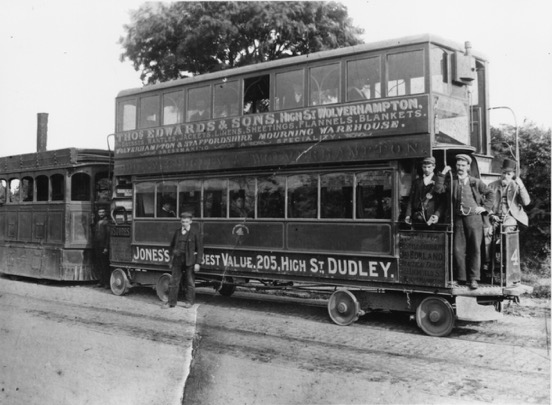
(63, 58)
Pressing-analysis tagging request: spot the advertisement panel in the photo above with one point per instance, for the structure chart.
(282, 263)
(407, 115)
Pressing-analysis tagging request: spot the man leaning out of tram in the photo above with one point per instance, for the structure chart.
(471, 200)
(509, 199)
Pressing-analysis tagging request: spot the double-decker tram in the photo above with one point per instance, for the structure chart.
(47, 202)
(297, 172)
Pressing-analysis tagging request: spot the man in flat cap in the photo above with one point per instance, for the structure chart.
(424, 205)
(186, 256)
(471, 199)
(510, 198)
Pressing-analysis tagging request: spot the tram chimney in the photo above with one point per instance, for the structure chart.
(42, 132)
(468, 47)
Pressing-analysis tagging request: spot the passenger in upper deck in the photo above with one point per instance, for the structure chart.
(354, 91)
(424, 205)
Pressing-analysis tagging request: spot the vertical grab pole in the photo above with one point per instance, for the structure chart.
(451, 228)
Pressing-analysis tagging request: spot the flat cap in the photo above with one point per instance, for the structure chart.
(464, 157)
(429, 159)
(186, 215)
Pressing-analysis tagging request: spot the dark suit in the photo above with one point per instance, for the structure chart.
(423, 202)
(101, 255)
(186, 251)
(468, 227)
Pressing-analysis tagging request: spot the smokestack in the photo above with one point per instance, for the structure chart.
(42, 132)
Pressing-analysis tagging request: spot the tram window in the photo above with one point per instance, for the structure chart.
(302, 196)
(173, 108)
(364, 79)
(166, 199)
(126, 115)
(145, 200)
(336, 195)
(189, 197)
(103, 187)
(324, 84)
(215, 192)
(149, 112)
(256, 94)
(405, 73)
(439, 70)
(289, 90)
(271, 197)
(14, 190)
(199, 104)
(42, 188)
(373, 195)
(226, 99)
(80, 187)
(58, 187)
(242, 197)
(3, 191)
(27, 189)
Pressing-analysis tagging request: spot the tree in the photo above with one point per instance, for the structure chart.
(534, 151)
(173, 40)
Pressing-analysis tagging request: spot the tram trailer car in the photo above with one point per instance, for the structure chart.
(298, 171)
(47, 204)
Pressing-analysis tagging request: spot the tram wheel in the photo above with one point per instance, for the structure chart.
(343, 307)
(226, 287)
(119, 282)
(435, 316)
(162, 287)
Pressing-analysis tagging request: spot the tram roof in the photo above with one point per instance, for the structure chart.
(345, 51)
(58, 158)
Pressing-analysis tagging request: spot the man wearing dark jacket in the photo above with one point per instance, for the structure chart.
(101, 249)
(471, 199)
(186, 256)
(424, 205)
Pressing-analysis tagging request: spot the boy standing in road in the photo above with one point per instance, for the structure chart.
(186, 255)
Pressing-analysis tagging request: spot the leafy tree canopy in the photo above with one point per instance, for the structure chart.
(172, 40)
(534, 151)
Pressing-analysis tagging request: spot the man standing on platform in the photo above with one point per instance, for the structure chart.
(424, 205)
(471, 199)
(186, 256)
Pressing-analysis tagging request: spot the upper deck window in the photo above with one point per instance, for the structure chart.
(405, 73)
(199, 104)
(42, 184)
(364, 79)
(256, 94)
(27, 189)
(173, 108)
(226, 99)
(149, 112)
(80, 187)
(289, 90)
(58, 187)
(324, 84)
(126, 115)
(3, 191)
(14, 190)
(439, 70)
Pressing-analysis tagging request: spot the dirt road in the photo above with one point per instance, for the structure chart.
(281, 351)
(80, 345)
(68, 345)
